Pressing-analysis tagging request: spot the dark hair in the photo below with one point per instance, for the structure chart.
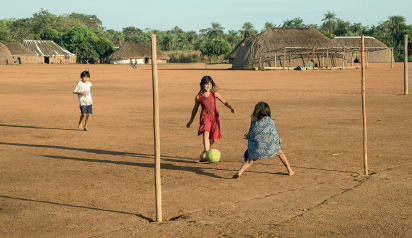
(205, 80)
(262, 110)
(85, 74)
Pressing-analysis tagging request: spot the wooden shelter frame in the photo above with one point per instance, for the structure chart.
(312, 53)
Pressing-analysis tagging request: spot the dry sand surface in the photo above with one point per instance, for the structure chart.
(58, 181)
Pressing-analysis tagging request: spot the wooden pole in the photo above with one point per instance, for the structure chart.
(156, 130)
(313, 55)
(343, 58)
(391, 58)
(323, 59)
(289, 61)
(327, 57)
(367, 58)
(275, 59)
(307, 60)
(284, 59)
(365, 138)
(405, 56)
(351, 63)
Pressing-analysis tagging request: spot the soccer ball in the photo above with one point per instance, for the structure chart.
(213, 156)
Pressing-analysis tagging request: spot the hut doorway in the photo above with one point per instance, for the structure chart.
(18, 60)
(46, 60)
(146, 60)
(356, 60)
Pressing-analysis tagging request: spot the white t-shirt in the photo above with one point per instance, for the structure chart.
(84, 87)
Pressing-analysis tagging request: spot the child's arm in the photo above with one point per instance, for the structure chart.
(194, 112)
(218, 96)
(81, 93)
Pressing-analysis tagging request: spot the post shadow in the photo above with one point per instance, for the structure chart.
(38, 127)
(78, 206)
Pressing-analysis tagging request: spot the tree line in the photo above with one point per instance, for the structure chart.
(85, 34)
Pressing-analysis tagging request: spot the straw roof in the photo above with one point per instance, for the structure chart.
(46, 48)
(16, 48)
(236, 49)
(355, 41)
(5, 55)
(275, 40)
(136, 51)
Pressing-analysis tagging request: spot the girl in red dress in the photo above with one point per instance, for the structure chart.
(209, 117)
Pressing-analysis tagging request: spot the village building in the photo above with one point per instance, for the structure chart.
(140, 52)
(375, 50)
(287, 48)
(50, 52)
(21, 55)
(5, 55)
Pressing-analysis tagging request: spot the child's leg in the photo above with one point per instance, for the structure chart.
(86, 122)
(244, 166)
(206, 145)
(80, 121)
(284, 160)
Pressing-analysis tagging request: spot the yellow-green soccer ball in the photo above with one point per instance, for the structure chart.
(213, 156)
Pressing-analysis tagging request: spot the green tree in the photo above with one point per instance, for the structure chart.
(5, 26)
(247, 30)
(216, 47)
(89, 21)
(268, 25)
(216, 31)
(75, 37)
(295, 22)
(342, 28)
(329, 21)
(49, 34)
(233, 38)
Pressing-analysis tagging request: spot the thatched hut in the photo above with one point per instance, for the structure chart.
(22, 55)
(232, 54)
(50, 52)
(290, 47)
(5, 55)
(140, 52)
(376, 51)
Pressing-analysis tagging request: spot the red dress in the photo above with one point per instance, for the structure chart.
(209, 117)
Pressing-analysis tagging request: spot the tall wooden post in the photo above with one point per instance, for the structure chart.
(405, 56)
(307, 59)
(365, 138)
(367, 58)
(290, 55)
(313, 55)
(343, 58)
(351, 63)
(275, 59)
(323, 59)
(284, 59)
(156, 130)
(391, 58)
(327, 57)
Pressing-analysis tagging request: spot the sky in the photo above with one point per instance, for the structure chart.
(195, 15)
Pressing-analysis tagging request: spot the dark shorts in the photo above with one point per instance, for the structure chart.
(86, 109)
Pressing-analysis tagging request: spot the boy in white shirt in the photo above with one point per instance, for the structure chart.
(82, 90)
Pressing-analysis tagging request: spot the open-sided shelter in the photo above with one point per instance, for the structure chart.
(5, 55)
(50, 52)
(375, 50)
(140, 52)
(21, 55)
(287, 47)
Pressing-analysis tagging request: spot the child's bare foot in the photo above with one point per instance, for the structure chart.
(86, 129)
(80, 126)
(203, 157)
(291, 173)
(236, 176)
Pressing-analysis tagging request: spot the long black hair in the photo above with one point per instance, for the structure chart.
(205, 80)
(262, 110)
(85, 74)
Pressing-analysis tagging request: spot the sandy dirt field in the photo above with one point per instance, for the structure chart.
(58, 181)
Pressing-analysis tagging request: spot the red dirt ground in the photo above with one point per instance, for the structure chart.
(57, 181)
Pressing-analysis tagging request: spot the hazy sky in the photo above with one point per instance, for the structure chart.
(196, 15)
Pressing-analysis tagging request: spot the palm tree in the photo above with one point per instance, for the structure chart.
(329, 21)
(233, 38)
(247, 29)
(191, 37)
(268, 25)
(215, 31)
(395, 25)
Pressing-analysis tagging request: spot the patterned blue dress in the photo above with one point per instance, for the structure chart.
(263, 141)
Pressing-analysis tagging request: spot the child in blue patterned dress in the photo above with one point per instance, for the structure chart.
(263, 140)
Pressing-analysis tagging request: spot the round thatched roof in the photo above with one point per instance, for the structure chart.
(274, 40)
(355, 41)
(136, 51)
(5, 56)
(16, 48)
